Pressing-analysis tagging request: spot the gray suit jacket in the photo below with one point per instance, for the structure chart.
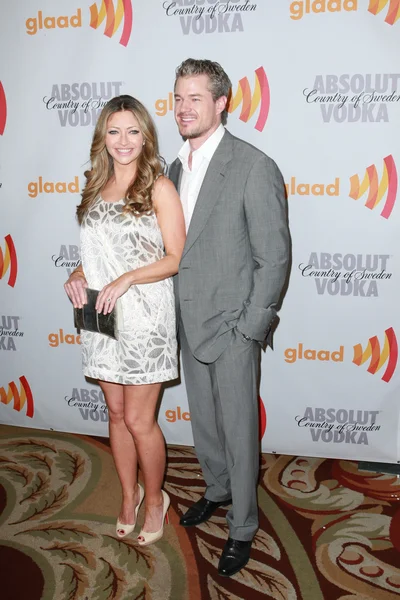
(236, 255)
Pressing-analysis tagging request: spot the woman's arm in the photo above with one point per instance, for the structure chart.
(76, 286)
(171, 221)
(170, 218)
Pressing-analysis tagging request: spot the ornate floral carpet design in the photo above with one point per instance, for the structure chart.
(327, 530)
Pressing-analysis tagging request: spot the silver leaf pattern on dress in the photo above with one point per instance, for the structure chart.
(112, 243)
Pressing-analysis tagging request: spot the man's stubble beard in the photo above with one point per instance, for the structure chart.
(191, 136)
(197, 133)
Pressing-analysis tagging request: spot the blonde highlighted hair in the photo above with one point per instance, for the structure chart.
(138, 197)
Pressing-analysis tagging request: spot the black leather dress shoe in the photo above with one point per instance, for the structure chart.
(200, 511)
(235, 556)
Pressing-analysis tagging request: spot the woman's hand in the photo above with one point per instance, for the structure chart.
(110, 293)
(76, 288)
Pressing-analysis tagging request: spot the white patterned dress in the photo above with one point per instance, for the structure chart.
(112, 243)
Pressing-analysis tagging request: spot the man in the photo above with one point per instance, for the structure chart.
(230, 278)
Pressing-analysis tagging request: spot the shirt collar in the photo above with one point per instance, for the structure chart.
(206, 150)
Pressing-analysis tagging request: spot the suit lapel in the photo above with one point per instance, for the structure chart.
(210, 190)
(175, 173)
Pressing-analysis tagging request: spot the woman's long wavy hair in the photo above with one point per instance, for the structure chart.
(138, 197)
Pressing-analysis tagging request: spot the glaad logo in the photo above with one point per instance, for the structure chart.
(55, 339)
(346, 274)
(91, 404)
(107, 11)
(113, 18)
(354, 98)
(80, 103)
(299, 353)
(21, 398)
(393, 14)
(9, 330)
(373, 351)
(48, 187)
(163, 105)
(223, 16)
(378, 358)
(8, 261)
(68, 257)
(176, 415)
(249, 102)
(312, 189)
(299, 9)
(262, 418)
(3, 109)
(339, 426)
(34, 24)
(377, 189)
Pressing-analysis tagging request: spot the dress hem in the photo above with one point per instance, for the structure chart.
(159, 377)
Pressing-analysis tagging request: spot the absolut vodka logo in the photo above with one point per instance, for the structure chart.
(339, 426)
(90, 404)
(9, 332)
(347, 274)
(79, 104)
(367, 98)
(209, 16)
(67, 257)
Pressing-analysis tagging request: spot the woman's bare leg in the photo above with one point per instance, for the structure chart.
(123, 450)
(140, 406)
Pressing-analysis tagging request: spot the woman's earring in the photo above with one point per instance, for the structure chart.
(144, 143)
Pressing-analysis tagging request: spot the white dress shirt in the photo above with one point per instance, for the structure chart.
(192, 179)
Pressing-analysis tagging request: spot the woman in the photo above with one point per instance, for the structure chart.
(132, 238)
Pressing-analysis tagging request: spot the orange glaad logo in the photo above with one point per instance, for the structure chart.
(377, 357)
(377, 190)
(249, 102)
(393, 14)
(21, 398)
(113, 18)
(3, 109)
(8, 261)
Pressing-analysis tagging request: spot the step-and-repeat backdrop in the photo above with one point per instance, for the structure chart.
(316, 85)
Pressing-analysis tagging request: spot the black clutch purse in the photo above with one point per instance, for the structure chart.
(88, 319)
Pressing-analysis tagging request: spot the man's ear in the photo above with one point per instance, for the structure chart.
(220, 104)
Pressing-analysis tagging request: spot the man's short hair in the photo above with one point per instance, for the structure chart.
(220, 84)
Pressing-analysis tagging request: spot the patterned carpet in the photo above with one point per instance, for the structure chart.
(327, 530)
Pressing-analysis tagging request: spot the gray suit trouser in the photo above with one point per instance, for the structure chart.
(223, 403)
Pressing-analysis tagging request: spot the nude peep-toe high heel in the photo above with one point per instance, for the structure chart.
(146, 537)
(124, 527)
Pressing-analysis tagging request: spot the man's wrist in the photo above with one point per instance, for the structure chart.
(247, 338)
